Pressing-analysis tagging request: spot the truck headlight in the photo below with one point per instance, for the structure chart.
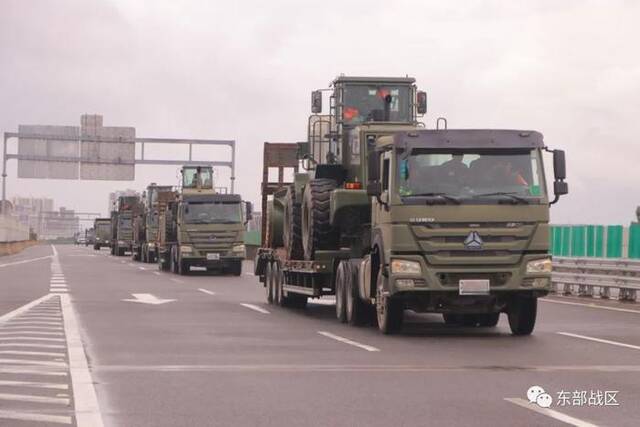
(539, 266)
(403, 266)
(186, 249)
(238, 248)
(152, 246)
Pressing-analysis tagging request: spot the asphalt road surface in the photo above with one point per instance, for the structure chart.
(89, 339)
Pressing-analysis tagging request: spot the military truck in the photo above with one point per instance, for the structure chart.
(102, 228)
(202, 227)
(145, 224)
(393, 216)
(127, 207)
(89, 236)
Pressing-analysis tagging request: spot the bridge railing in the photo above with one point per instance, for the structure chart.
(584, 276)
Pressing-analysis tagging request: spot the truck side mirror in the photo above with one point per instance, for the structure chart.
(316, 102)
(560, 188)
(559, 165)
(421, 102)
(373, 166)
(248, 211)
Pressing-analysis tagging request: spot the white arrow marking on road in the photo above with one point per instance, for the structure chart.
(147, 299)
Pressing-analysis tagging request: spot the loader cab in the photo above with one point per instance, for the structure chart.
(197, 178)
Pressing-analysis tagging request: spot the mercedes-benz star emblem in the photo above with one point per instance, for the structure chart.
(473, 241)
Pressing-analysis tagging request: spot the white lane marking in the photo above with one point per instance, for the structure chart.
(32, 371)
(18, 311)
(33, 362)
(141, 268)
(41, 317)
(25, 261)
(30, 416)
(16, 322)
(625, 310)
(55, 386)
(206, 291)
(59, 291)
(86, 405)
(584, 337)
(254, 307)
(55, 252)
(348, 341)
(31, 353)
(34, 399)
(31, 328)
(22, 337)
(16, 344)
(550, 412)
(148, 299)
(157, 273)
(177, 280)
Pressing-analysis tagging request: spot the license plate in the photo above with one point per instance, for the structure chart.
(474, 287)
(213, 257)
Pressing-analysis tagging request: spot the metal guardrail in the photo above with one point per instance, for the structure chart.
(601, 274)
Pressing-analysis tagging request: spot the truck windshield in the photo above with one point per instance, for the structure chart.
(190, 178)
(475, 175)
(366, 103)
(212, 213)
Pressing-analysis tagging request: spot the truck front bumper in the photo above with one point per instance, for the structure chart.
(223, 263)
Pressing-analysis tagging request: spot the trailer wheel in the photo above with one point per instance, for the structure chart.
(522, 315)
(276, 289)
(356, 310)
(317, 232)
(292, 226)
(389, 310)
(342, 279)
(268, 283)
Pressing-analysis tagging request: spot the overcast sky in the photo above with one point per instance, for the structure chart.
(244, 70)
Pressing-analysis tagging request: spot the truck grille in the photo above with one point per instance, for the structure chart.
(501, 243)
(213, 240)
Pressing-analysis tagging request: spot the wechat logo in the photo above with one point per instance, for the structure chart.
(537, 395)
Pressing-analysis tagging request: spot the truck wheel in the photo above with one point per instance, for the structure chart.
(183, 267)
(268, 279)
(356, 310)
(342, 279)
(172, 263)
(96, 247)
(389, 310)
(236, 270)
(317, 232)
(522, 315)
(292, 227)
(488, 320)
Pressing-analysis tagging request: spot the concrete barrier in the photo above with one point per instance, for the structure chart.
(14, 236)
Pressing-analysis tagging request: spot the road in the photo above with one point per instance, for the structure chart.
(87, 338)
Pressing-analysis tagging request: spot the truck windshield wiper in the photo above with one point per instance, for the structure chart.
(443, 195)
(512, 195)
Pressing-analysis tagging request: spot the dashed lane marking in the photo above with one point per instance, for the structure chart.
(599, 340)
(30, 345)
(18, 311)
(550, 412)
(348, 341)
(254, 308)
(29, 416)
(55, 386)
(590, 305)
(34, 363)
(206, 291)
(34, 399)
(31, 353)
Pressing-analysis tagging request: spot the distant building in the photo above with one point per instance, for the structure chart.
(29, 210)
(59, 224)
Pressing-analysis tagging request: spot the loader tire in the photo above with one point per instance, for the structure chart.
(292, 227)
(317, 232)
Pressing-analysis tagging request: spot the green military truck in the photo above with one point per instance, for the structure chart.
(393, 216)
(145, 224)
(102, 230)
(127, 207)
(201, 227)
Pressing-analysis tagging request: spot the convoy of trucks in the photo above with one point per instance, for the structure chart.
(389, 216)
(381, 212)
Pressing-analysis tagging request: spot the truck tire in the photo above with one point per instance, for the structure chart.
(389, 310)
(173, 263)
(268, 283)
(317, 232)
(355, 309)
(522, 315)
(275, 284)
(342, 284)
(292, 226)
